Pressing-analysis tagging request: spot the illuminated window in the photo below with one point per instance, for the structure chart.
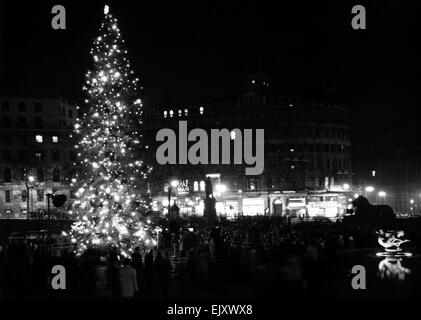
(165, 114)
(202, 185)
(39, 139)
(55, 139)
(196, 186)
(201, 110)
(171, 113)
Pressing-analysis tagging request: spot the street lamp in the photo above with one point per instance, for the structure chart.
(29, 180)
(369, 189)
(382, 194)
(345, 186)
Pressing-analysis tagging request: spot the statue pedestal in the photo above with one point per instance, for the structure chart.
(210, 212)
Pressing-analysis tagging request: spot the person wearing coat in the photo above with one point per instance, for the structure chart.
(128, 280)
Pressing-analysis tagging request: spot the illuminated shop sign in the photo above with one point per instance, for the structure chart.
(183, 187)
(296, 202)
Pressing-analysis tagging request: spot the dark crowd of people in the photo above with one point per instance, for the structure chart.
(294, 256)
(234, 251)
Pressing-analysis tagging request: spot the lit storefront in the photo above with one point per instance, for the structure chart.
(325, 206)
(231, 204)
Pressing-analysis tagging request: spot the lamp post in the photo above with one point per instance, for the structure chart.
(29, 180)
(49, 197)
(382, 194)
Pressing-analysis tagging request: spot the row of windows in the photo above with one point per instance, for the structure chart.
(40, 139)
(37, 106)
(37, 123)
(23, 176)
(9, 194)
(290, 115)
(37, 155)
(315, 163)
(170, 113)
(26, 138)
(280, 130)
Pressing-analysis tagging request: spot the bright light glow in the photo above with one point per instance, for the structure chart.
(369, 189)
(55, 139)
(31, 179)
(382, 194)
(106, 9)
(345, 186)
(411, 201)
(174, 183)
(220, 188)
(39, 138)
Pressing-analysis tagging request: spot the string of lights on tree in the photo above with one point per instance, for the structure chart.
(109, 206)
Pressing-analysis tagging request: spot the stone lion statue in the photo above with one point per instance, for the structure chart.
(366, 213)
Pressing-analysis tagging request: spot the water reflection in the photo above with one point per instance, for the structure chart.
(391, 268)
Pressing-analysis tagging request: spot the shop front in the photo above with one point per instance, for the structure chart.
(296, 207)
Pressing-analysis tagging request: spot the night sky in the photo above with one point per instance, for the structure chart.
(203, 50)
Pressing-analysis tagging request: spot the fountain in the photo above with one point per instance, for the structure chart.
(391, 241)
(391, 268)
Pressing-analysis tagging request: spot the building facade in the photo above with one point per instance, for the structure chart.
(36, 154)
(307, 148)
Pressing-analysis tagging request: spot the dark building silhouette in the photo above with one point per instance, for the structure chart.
(307, 143)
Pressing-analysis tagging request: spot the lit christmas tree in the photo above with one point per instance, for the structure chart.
(110, 207)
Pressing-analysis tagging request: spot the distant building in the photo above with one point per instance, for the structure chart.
(391, 163)
(36, 153)
(307, 153)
